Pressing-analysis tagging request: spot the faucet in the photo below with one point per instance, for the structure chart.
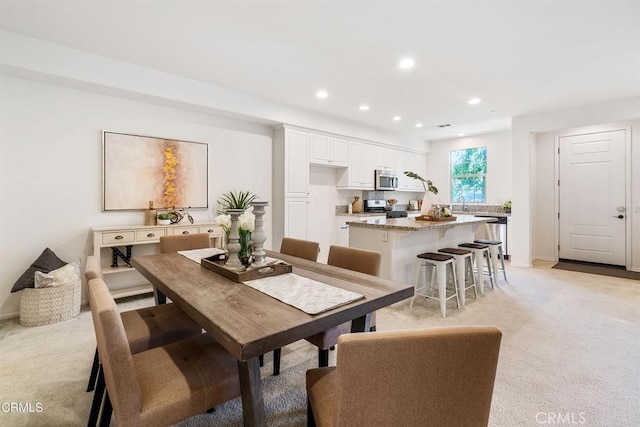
(464, 205)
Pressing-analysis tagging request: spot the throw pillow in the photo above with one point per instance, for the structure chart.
(46, 262)
(69, 274)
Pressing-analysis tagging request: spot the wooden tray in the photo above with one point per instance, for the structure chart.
(433, 218)
(216, 265)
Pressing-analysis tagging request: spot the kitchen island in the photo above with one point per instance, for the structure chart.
(400, 240)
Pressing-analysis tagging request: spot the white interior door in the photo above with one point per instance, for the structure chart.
(592, 197)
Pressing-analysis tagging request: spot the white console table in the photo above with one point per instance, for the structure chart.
(123, 280)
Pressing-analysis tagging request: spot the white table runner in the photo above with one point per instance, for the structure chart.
(305, 294)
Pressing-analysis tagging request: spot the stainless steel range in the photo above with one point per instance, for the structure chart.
(380, 206)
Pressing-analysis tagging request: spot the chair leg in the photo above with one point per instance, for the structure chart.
(323, 358)
(94, 372)
(311, 421)
(106, 410)
(372, 329)
(276, 361)
(97, 399)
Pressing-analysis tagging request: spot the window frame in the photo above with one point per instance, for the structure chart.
(453, 192)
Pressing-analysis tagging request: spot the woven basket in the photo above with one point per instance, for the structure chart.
(49, 305)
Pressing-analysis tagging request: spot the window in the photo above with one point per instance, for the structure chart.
(468, 175)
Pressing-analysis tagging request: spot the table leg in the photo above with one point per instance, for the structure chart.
(251, 391)
(361, 324)
(159, 296)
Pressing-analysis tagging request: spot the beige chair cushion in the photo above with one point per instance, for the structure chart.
(166, 384)
(184, 242)
(300, 248)
(434, 377)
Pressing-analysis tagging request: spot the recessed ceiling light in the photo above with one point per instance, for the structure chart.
(419, 125)
(406, 64)
(364, 107)
(461, 134)
(397, 118)
(322, 93)
(474, 101)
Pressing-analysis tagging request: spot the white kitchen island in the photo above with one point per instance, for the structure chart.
(401, 240)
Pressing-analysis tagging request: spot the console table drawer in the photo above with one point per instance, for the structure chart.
(150, 235)
(214, 231)
(118, 237)
(185, 230)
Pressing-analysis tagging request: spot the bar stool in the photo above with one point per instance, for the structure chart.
(495, 249)
(439, 269)
(480, 251)
(461, 256)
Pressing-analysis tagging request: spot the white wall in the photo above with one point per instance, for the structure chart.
(498, 165)
(525, 144)
(50, 167)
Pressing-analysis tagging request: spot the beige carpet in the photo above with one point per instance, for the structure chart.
(571, 348)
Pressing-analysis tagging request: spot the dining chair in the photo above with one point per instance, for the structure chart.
(145, 328)
(163, 385)
(431, 377)
(306, 249)
(184, 242)
(354, 259)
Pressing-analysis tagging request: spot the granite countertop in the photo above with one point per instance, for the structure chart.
(410, 224)
(363, 214)
(495, 214)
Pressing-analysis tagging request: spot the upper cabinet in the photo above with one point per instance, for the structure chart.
(385, 158)
(414, 162)
(296, 153)
(328, 150)
(360, 173)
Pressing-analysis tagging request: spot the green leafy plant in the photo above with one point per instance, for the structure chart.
(507, 205)
(164, 215)
(236, 199)
(426, 183)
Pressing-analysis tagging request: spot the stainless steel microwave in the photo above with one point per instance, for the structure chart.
(386, 180)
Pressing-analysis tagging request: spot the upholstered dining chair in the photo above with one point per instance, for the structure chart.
(145, 328)
(184, 242)
(305, 249)
(163, 385)
(432, 377)
(362, 261)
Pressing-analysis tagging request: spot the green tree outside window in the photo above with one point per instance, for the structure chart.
(468, 175)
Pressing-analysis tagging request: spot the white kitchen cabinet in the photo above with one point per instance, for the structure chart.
(414, 162)
(360, 173)
(296, 213)
(328, 150)
(385, 158)
(290, 183)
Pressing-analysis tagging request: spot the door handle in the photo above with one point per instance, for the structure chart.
(618, 216)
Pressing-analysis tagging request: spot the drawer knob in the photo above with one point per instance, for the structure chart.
(151, 235)
(119, 237)
(210, 230)
(185, 232)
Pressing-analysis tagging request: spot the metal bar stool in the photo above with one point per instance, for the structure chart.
(495, 249)
(480, 251)
(461, 256)
(439, 269)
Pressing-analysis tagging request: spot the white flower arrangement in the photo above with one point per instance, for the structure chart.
(247, 222)
(224, 221)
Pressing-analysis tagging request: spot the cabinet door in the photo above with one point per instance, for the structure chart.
(385, 158)
(296, 218)
(356, 164)
(339, 152)
(368, 166)
(296, 164)
(319, 149)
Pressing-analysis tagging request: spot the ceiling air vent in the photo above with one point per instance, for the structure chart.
(446, 125)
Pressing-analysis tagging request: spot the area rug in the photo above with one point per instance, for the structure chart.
(593, 268)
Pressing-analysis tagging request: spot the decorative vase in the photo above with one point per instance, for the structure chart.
(259, 236)
(233, 245)
(357, 204)
(150, 215)
(426, 207)
(164, 221)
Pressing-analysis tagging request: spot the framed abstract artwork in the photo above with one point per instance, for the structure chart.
(138, 169)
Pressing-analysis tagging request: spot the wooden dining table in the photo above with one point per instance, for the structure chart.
(249, 323)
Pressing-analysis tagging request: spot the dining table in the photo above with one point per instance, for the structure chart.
(249, 323)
